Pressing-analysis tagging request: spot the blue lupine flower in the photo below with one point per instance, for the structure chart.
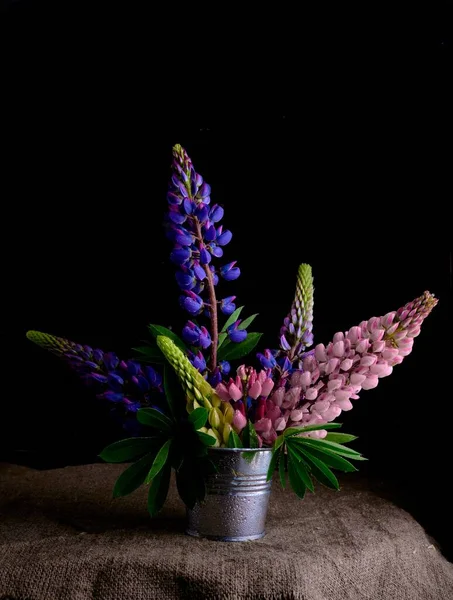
(196, 243)
(191, 333)
(223, 238)
(267, 359)
(197, 360)
(227, 305)
(180, 255)
(225, 367)
(192, 303)
(216, 213)
(236, 335)
(229, 271)
(185, 278)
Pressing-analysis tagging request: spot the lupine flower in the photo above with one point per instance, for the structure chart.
(196, 336)
(236, 335)
(227, 305)
(125, 383)
(295, 334)
(198, 391)
(194, 226)
(355, 360)
(247, 393)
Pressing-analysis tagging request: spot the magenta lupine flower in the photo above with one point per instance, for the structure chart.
(247, 393)
(334, 375)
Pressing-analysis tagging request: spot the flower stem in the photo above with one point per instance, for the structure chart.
(212, 308)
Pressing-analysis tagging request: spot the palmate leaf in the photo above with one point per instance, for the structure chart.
(282, 469)
(159, 461)
(174, 394)
(291, 431)
(248, 321)
(301, 467)
(333, 446)
(190, 482)
(198, 417)
(151, 354)
(235, 351)
(234, 440)
(158, 490)
(232, 319)
(127, 449)
(160, 330)
(154, 418)
(273, 464)
(340, 438)
(320, 470)
(133, 477)
(207, 440)
(295, 480)
(333, 460)
(249, 436)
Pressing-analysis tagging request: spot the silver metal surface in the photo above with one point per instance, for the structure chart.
(237, 496)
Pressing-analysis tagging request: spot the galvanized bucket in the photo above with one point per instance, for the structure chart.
(237, 496)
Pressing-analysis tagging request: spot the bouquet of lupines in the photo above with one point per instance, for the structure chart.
(191, 400)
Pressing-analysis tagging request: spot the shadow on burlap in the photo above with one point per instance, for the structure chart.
(62, 537)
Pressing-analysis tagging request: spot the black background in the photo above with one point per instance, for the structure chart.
(325, 145)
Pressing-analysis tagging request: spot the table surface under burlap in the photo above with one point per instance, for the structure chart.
(62, 537)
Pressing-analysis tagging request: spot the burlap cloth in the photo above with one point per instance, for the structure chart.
(63, 537)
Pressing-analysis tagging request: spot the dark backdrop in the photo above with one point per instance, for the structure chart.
(346, 170)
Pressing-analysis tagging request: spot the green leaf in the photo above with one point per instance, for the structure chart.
(190, 482)
(296, 482)
(234, 351)
(222, 338)
(281, 469)
(133, 476)
(249, 436)
(234, 441)
(207, 440)
(158, 490)
(248, 456)
(154, 418)
(333, 446)
(297, 430)
(321, 471)
(159, 330)
(198, 417)
(127, 449)
(246, 322)
(150, 354)
(333, 460)
(174, 394)
(159, 461)
(340, 438)
(301, 466)
(273, 464)
(279, 441)
(232, 318)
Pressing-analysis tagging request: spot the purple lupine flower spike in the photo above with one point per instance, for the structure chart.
(195, 228)
(125, 383)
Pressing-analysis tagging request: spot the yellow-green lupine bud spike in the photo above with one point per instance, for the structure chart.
(191, 380)
(215, 418)
(197, 389)
(216, 401)
(228, 412)
(226, 432)
(216, 435)
(50, 342)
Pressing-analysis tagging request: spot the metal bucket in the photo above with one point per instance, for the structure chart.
(237, 496)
